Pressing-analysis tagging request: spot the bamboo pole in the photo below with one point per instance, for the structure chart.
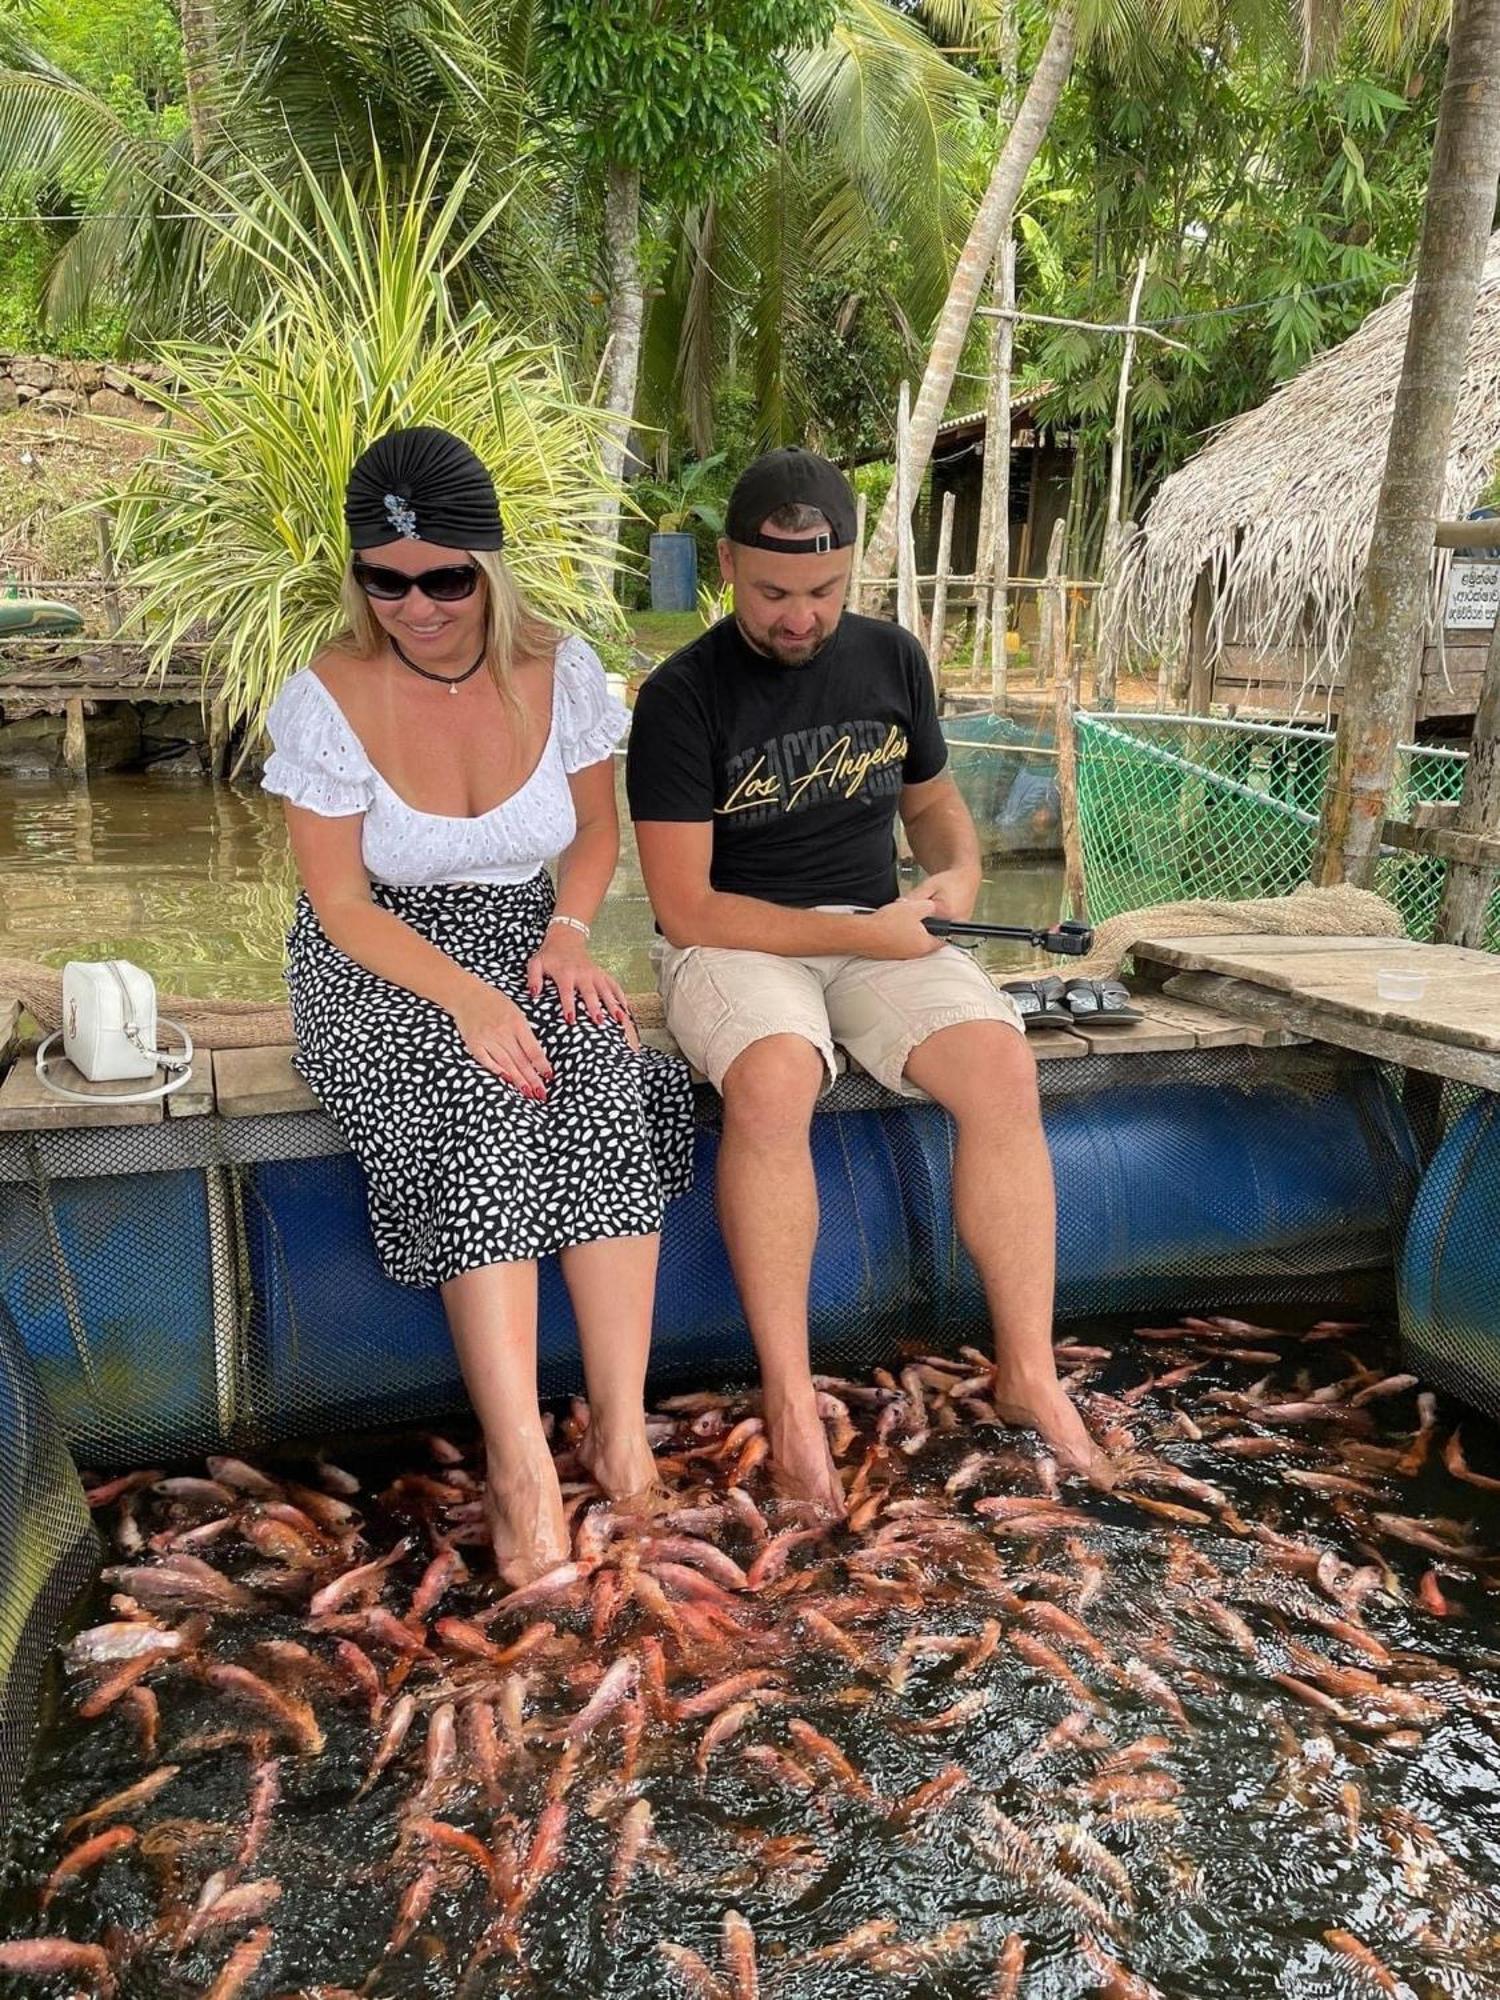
(1084, 325)
(1106, 671)
(940, 586)
(857, 566)
(908, 606)
(1059, 660)
(1464, 905)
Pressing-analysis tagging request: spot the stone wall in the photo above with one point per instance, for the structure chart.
(74, 388)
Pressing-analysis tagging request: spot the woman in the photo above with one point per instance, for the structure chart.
(447, 1011)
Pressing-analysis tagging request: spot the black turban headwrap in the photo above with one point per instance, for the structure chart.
(422, 484)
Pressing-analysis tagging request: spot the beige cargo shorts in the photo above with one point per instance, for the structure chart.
(877, 1009)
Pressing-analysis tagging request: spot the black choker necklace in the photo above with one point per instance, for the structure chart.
(452, 682)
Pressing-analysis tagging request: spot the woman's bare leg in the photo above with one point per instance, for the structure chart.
(612, 1284)
(492, 1317)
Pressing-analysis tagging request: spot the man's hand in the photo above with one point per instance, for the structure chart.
(895, 931)
(952, 893)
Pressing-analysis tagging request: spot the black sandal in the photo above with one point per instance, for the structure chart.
(1039, 1002)
(1102, 1003)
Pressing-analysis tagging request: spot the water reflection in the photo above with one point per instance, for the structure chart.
(195, 882)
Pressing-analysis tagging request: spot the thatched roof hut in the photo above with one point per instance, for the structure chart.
(1266, 531)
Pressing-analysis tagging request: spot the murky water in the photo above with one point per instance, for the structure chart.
(195, 882)
(1231, 1732)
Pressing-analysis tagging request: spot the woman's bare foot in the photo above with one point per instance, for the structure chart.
(622, 1467)
(802, 1464)
(524, 1509)
(1046, 1408)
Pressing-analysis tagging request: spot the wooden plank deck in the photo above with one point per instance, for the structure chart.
(1326, 989)
(260, 1082)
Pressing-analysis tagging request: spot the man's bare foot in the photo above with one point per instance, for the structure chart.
(1046, 1408)
(622, 1467)
(802, 1464)
(524, 1509)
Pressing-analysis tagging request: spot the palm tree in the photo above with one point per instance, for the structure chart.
(1116, 28)
(875, 147)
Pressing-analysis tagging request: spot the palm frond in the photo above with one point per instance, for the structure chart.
(234, 520)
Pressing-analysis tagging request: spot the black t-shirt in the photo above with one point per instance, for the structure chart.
(799, 768)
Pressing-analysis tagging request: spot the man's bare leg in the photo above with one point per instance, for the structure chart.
(492, 1318)
(768, 1211)
(984, 1076)
(612, 1284)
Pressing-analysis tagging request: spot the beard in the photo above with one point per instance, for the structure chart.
(788, 653)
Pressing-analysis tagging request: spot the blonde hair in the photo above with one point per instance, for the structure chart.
(512, 629)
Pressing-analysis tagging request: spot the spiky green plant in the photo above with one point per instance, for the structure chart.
(233, 524)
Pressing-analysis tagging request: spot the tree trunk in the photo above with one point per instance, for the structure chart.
(991, 221)
(200, 72)
(627, 312)
(1463, 908)
(992, 557)
(1391, 616)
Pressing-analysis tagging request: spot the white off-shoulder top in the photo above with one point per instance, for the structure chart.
(320, 763)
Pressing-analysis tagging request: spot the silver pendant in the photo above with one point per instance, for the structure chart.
(453, 687)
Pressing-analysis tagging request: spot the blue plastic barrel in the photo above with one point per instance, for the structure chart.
(337, 1344)
(109, 1284)
(1450, 1267)
(1163, 1188)
(674, 573)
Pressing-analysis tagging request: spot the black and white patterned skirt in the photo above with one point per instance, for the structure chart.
(463, 1170)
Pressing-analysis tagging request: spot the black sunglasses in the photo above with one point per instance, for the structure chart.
(447, 585)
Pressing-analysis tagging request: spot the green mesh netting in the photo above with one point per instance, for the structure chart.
(1007, 774)
(1173, 807)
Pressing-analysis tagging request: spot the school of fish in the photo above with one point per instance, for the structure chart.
(958, 1745)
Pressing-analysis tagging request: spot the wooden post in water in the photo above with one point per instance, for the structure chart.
(1467, 889)
(940, 584)
(75, 739)
(218, 739)
(1060, 664)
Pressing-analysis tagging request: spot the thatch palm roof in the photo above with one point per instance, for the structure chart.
(1278, 506)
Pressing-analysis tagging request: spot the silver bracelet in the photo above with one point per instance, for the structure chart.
(573, 924)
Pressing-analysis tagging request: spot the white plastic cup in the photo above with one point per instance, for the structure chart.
(1393, 982)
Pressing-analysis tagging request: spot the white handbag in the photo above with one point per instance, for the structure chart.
(109, 1033)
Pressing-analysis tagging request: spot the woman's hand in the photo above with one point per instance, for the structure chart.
(498, 1036)
(564, 959)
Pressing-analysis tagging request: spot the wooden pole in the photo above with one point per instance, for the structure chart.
(218, 739)
(113, 616)
(75, 739)
(1467, 890)
(1064, 701)
(857, 566)
(908, 605)
(940, 587)
(1109, 639)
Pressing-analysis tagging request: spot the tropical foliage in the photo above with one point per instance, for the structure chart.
(233, 524)
(805, 176)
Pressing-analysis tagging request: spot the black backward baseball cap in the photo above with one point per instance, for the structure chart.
(791, 477)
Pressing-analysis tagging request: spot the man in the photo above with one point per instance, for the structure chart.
(767, 763)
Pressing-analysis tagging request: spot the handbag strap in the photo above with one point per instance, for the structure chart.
(179, 1068)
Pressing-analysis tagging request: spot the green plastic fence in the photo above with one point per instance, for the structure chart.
(1172, 807)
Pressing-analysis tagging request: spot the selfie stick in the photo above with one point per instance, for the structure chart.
(1070, 937)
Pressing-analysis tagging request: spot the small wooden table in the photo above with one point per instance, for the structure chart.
(1325, 988)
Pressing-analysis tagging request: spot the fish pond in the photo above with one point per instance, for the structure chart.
(195, 882)
(1230, 1731)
